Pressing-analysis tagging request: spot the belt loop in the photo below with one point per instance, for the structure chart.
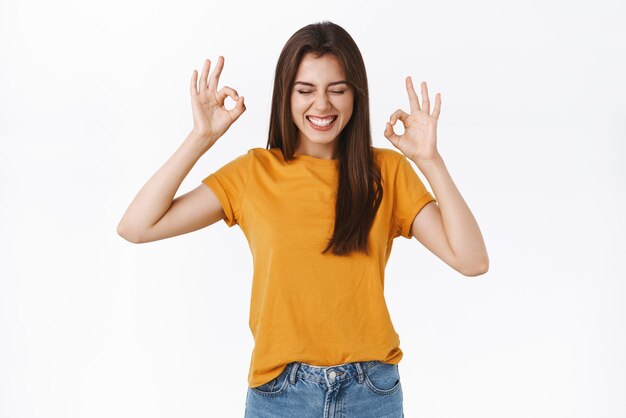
(359, 369)
(292, 372)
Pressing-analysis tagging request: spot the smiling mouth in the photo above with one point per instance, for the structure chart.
(322, 122)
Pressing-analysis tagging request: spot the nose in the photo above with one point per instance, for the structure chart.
(321, 102)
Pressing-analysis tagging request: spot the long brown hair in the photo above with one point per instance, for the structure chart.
(359, 190)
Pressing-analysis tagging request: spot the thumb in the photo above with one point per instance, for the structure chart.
(239, 108)
(391, 135)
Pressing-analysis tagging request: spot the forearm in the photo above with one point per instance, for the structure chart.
(156, 196)
(462, 230)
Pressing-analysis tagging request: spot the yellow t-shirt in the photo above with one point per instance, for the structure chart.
(305, 306)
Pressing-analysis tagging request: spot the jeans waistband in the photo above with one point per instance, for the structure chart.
(329, 374)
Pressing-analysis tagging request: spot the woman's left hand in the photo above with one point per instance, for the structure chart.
(419, 140)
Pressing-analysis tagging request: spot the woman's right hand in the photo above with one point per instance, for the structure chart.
(210, 117)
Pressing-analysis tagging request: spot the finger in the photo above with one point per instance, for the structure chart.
(437, 109)
(215, 75)
(239, 108)
(413, 99)
(194, 83)
(226, 92)
(205, 72)
(398, 114)
(425, 98)
(391, 135)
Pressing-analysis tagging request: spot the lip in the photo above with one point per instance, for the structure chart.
(325, 128)
(321, 117)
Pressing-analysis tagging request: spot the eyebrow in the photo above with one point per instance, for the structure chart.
(313, 85)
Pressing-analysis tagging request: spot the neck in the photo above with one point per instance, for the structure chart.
(322, 151)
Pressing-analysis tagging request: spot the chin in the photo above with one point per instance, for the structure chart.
(322, 141)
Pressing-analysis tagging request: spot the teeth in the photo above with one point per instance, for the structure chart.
(321, 122)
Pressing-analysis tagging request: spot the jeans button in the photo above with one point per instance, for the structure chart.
(332, 375)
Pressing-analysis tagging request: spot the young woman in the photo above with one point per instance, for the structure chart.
(320, 207)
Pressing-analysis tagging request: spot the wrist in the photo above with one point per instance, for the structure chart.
(203, 141)
(434, 160)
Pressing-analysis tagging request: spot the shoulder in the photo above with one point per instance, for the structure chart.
(252, 156)
(258, 153)
(387, 153)
(387, 158)
(265, 157)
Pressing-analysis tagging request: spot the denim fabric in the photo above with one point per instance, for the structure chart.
(369, 389)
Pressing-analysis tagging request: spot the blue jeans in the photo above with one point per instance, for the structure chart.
(369, 389)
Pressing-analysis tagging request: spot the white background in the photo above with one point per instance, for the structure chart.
(94, 98)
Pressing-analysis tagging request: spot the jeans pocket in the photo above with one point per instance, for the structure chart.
(274, 386)
(383, 378)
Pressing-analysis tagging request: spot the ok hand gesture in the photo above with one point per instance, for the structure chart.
(419, 141)
(210, 117)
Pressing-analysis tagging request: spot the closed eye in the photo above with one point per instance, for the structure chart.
(308, 92)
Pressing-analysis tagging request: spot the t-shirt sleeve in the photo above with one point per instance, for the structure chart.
(410, 196)
(229, 185)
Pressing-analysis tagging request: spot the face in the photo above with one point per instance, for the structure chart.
(320, 94)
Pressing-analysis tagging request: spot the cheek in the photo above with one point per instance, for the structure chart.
(297, 106)
(296, 114)
(346, 105)
(295, 109)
